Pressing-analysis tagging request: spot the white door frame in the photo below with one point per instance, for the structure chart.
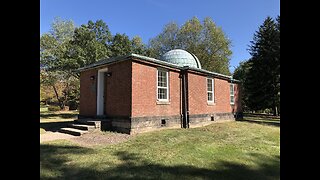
(101, 91)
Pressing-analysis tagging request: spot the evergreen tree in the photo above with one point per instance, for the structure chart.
(241, 73)
(263, 78)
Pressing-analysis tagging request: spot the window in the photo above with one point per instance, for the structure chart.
(162, 85)
(210, 90)
(231, 93)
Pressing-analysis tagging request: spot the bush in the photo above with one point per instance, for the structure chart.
(268, 111)
(73, 105)
(53, 108)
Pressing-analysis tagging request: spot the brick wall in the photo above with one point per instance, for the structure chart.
(88, 90)
(144, 92)
(197, 91)
(118, 89)
(131, 92)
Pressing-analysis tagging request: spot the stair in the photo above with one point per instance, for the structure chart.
(91, 122)
(81, 126)
(72, 131)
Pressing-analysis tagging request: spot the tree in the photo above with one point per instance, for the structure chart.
(138, 47)
(53, 79)
(90, 43)
(66, 48)
(121, 45)
(263, 78)
(207, 41)
(165, 41)
(241, 73)
(53, 46)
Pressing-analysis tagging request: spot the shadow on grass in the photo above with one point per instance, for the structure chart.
(54, 161)
(54, 126)
(261, 121)
(60, 115)
(54, 164)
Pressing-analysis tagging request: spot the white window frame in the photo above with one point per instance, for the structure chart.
(212, 84)
(160, 87)
(232, 94)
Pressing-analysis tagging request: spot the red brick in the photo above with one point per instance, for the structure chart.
(131, 91)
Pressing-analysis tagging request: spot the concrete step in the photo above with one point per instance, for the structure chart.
(91, 122)
(82, 127)
(72, 131)
(85, 121)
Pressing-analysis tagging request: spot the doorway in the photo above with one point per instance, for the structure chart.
(101, 86)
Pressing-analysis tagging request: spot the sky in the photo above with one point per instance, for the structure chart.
(239, 19)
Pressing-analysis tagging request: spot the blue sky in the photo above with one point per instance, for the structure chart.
(239, 19)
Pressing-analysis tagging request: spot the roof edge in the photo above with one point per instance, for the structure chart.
(157, 61)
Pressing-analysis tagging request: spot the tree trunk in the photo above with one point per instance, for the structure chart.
(61, 104)
(275, 110)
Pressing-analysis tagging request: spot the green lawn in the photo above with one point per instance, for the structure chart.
(42, 131)
(231, 150)
(43, 109)
(53, 121)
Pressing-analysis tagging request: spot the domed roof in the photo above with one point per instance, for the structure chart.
(181, 58)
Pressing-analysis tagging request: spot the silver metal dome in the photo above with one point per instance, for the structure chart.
(181, 58)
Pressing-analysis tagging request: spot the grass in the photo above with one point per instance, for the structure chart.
(262, 120)
(53, 121)
(58, 114)
(231, 150)
(42, 131)
(43, 109)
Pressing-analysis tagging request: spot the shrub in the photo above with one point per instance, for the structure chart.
(53, 108)
(268, 111)
(73, 105)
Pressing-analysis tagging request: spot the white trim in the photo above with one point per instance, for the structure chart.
(212, 87)
(231, 84)
(167, 88)
(100, 91)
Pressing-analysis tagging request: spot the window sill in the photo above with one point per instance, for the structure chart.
(211, 103)
(163, 102)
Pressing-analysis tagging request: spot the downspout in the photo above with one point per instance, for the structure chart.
(185, 114)
(234, 98)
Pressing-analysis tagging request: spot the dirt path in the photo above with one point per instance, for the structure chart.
(100, 138)
(50, 136)
(89, 139)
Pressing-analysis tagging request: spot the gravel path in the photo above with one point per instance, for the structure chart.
(100, 138)
(88, 139)
(50, 136)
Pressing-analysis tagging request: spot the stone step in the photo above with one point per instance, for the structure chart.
(72, 131)
(93, 122)
(85, 121)
(82, 127)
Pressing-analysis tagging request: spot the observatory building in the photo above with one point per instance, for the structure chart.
(135, 93)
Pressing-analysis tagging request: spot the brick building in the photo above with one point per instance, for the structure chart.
(136, 93)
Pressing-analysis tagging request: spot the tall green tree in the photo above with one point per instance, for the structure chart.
(204, 39)
(66, 48)
(120, 45)
(165, 41)
(53, 46)
(263, 78)
(90, 43)
(241, 73)
(138, 47)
